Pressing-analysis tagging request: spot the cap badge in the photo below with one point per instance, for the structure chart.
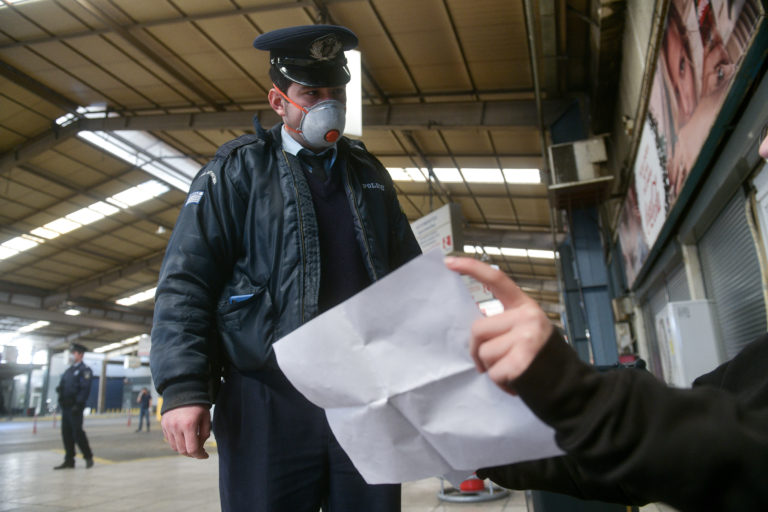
(325, 48)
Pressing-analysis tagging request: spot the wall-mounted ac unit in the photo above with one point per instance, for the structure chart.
(579, 174)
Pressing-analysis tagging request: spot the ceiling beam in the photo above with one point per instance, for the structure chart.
(161, 57)
(509, 238)
(79, 289)
(228, 13)
(448, 115)
(32, 313)
(39, 89)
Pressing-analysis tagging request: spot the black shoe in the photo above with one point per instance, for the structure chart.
(66, 465)
(138, 430)
(88, 463)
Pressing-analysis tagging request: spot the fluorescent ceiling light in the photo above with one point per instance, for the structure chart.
(6, 252)
(407, 174)
(512, 252)
(45, 233)
(470, 175)
(84, 216)
(137, 297)
(33, 326)
(119, 344)
(149, 153)
(522, 176)
(20, 243)
(72, 312)
(536, 253)
(104, 208)
(63, 225)
(483, 175)
(447, 175)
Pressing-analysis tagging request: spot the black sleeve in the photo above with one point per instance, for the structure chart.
(198, 260)
(629, 438)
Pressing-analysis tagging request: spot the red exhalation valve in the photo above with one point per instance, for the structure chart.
(332, 135)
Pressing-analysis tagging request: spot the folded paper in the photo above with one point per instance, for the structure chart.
(391, 367)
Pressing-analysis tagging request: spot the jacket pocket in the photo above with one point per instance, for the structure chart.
(246, 325)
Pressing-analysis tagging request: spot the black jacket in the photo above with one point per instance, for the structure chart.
(242, 268)
(631, 439)
(75, 385)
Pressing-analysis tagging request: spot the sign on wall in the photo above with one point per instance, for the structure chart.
(702, 47)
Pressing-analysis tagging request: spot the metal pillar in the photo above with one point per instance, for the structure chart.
(46, 385)
(102, 386)
(587, 292)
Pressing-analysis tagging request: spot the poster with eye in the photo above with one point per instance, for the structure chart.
(702, 47)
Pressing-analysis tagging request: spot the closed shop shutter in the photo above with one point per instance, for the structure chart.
(732, 277)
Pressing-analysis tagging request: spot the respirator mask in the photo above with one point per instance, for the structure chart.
(322, 124)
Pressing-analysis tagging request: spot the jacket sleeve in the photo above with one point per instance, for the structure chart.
(84, 387)
(198, 261)
(630, 439)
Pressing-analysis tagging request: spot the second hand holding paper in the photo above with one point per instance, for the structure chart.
(391, 368)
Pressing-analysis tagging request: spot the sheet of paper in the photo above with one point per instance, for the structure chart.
(391, 367)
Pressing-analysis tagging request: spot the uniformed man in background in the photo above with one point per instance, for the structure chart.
(74, 388)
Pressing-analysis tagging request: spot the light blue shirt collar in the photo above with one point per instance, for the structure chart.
(292, 147)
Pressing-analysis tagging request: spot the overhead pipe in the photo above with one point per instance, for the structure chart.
(532, 55)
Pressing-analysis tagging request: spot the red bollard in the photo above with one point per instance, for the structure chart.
(129, 418)
(34, 425)
(54, 420)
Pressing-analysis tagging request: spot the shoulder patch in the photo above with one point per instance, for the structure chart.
(194, 197)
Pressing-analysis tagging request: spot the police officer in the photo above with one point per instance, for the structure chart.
(74, 388)
(280, 226)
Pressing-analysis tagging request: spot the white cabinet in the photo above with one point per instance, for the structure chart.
(688, 341)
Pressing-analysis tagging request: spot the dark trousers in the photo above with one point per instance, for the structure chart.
(143, 413)
(72, 432)
(278, 454)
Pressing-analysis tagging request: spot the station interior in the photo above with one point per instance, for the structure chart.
(548, 138)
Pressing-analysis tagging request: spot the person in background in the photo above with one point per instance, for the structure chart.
(144, 400)
(73, 390)
(279, 227)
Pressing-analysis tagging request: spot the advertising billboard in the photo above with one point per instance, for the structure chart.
(702, 48)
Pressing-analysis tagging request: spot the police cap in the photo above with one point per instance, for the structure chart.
(311, 55)
(76, 347)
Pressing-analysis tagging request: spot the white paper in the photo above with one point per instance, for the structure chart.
(391, 367)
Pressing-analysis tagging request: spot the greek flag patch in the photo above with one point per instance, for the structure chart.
(194, 197)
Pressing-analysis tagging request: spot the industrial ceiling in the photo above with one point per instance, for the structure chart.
(446, 84)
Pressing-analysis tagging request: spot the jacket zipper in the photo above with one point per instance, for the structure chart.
(351, 192)
(301, 231)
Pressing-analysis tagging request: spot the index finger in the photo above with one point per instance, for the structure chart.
(501, 286)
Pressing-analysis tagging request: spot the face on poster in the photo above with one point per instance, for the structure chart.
(703, 44)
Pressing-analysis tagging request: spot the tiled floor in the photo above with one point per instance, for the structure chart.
(138, 472)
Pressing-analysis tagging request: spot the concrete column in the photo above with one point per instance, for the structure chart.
(102, 386)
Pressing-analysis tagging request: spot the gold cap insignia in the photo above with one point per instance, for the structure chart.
(325, 48)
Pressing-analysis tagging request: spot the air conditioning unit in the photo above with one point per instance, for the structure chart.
(579, 175)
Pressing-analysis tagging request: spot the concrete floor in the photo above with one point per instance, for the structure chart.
(138, 472)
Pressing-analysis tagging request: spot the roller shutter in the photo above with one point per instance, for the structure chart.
(732, 277)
